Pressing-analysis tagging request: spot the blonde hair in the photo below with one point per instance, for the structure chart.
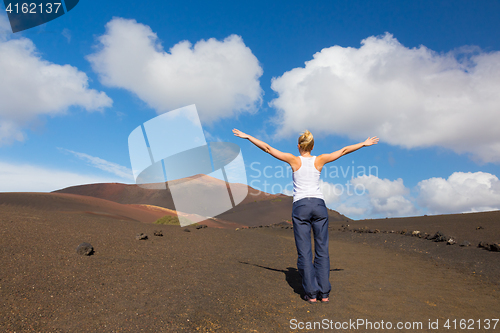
(306, 141)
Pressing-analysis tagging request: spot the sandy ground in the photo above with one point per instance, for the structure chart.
(221, 280)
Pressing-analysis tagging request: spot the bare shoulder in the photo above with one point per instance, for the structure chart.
(295, 163)
(321, 160)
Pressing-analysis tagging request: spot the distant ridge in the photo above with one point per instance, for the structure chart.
(258, 208)
(74, 203)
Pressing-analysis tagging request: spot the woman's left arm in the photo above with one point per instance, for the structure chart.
(327, 158)
(285, 157)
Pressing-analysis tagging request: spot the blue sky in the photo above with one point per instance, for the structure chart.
(424, 76)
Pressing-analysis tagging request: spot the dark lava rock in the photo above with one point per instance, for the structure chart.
(280, 224)
(201, 226)
(187, 230)
(484, 245)
(465, 243)
(158, 233)
(141, 236)
(85, 249)
(495, 247)
(439, 237)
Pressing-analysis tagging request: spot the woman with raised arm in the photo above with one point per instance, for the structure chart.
(309, 210)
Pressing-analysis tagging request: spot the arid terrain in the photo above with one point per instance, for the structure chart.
(219, 279)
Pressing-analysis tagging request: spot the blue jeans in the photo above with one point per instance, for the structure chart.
(310, 213)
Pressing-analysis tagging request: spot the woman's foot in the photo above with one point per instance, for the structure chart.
(310, 300)
(325, 300)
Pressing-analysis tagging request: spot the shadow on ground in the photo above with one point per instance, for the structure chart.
(292, 276)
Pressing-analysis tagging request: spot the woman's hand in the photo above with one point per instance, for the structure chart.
(240, 134)
(371, 141)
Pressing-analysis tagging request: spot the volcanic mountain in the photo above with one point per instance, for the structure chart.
(78, 204)
(258, 208)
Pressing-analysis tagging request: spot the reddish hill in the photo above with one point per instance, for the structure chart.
(123, 193)
(80, 204)
(134, 194)
(71, 203)
(258, 208)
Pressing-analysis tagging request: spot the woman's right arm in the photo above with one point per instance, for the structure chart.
(285, 157)
(327, 158)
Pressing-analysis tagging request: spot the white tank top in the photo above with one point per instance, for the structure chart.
(306, 180)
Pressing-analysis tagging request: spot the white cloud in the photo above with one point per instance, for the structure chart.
(387, 197)
(381, 188)
(116, 169)
(370, 196)
(9, 131)
(31, 86)
(350, 211)
(461, 192)
(331, 192)
(220, 77)
(408, 97)
(30, 178)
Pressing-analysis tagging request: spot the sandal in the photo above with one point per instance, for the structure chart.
(310, 300)
(325, 300)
